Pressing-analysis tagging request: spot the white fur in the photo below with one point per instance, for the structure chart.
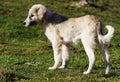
(110, 33)
(85, 29)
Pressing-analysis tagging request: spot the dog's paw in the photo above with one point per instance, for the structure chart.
(86, 72)
(107, 72)
(51, 68)
(61, 67)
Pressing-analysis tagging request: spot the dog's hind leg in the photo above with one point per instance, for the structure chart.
(88, 46)
(105, 53)
(65, 55)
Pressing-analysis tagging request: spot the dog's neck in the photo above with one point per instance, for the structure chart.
(53, 18)
(46, 15)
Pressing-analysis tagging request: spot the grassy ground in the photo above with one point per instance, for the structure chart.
(19, 45)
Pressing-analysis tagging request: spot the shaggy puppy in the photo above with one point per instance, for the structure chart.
(61, 31)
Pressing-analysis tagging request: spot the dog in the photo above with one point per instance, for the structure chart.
(61, 31)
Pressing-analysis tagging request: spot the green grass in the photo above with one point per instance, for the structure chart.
(19, 44)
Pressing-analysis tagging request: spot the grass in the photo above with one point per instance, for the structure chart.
(19, 45)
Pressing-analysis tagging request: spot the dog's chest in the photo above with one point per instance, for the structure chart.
(52, 33)
(48, 33)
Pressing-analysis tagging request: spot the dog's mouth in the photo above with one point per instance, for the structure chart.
(32, 23)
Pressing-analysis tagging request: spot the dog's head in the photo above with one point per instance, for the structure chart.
(35, 15)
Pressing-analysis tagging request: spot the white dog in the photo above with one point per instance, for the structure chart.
(61, 31)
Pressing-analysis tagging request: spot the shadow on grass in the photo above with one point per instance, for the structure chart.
(102, 8)
(115, 73)
(6, 76)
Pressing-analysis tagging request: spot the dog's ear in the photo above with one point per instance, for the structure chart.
(41, 11)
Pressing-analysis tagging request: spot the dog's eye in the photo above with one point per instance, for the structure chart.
(32, 15)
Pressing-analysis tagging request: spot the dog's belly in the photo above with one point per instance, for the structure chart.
(71, 37)
(74, 39)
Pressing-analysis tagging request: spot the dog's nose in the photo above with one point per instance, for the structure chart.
(24, 23)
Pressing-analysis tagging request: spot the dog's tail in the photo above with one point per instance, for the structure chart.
(108, 36)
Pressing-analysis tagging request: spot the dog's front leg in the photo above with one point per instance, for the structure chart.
(57, 56)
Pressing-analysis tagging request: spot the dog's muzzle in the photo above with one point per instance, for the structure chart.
(30, 23)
